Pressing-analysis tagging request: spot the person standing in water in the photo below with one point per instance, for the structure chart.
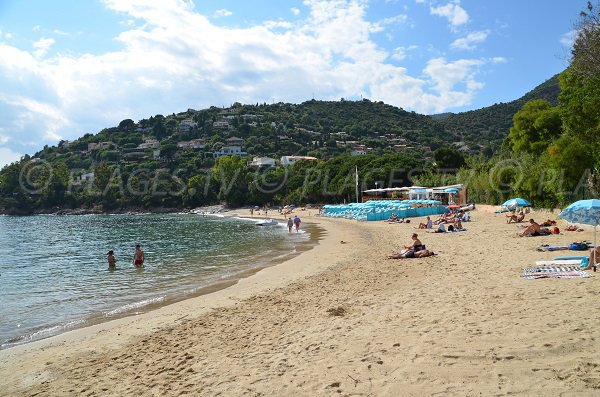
(138, 257)
(112, 261)
(290, 224)
(297, 223)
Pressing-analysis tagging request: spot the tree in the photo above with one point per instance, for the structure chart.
(229, 173)
(126, 125)
(536, 125)
(585, 55)
(448, 157)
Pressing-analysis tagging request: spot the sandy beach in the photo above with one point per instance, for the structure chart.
(341, 319)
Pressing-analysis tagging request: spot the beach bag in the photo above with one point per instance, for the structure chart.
(578, 246)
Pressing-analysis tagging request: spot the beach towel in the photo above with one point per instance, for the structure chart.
(552, 247)
(568, 271)
(570, 274)
(551, 269)
(559, 262)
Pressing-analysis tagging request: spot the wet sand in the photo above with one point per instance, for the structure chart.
(340, 319)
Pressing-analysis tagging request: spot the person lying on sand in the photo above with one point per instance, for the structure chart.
(573, 228)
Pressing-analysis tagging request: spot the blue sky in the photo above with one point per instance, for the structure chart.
(71, 67)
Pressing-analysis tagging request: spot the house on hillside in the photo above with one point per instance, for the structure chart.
(234, 141)
(101, 145)
(149, 144)
(262, 162)
(229, 151)
(291, 160)
(187, 125)
(193, 144)
(222, 125)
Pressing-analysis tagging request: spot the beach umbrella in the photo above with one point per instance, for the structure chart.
(515, 203)
(586, 212)
(452, 190)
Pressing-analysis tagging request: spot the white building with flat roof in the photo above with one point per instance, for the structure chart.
(229, 151)
(262, 162)
(291, 160)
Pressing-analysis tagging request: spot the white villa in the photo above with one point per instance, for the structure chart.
(291, 160)
(229, 151)
(262, 162)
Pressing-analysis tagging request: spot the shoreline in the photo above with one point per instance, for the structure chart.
(216, 283)
(130, 327)
(341, 319)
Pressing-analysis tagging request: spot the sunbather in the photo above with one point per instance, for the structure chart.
(424, 253)
(594, 258)
(515, 218)
(427, 225)
(533, 229)
(409, 251)
(440, 229)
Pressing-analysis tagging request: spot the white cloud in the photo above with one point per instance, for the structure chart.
(36, 28)
(568, 39)
(400, 53)
(42, 46)
(497, 60)
(222, 13)
(469, 42)
(8, 156)
(455, 14)
(174, 58)
(295, 11)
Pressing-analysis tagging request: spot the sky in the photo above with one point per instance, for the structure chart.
(72, 67)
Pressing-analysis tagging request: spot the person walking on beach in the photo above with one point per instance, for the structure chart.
(290, 224)
(297, 222)
(112, 261)
(138, 257)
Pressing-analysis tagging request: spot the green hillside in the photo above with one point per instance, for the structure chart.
(489, 126)
(179, 153)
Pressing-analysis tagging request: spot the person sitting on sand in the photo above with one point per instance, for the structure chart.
(593, 259)
(457, 224)
(427, 225)
(515, 218)
(411, 250)
(440, 229)
(533, 229)
(393, 218)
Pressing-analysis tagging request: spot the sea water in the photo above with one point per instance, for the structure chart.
(54, 274)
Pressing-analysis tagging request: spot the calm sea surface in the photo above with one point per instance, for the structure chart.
(54, 275)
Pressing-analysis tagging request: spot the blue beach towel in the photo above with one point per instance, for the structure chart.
(585, 260)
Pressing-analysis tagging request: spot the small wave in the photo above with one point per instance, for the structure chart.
(43, 333)
(135, 305)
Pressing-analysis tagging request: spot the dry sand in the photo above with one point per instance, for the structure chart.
(340, 319)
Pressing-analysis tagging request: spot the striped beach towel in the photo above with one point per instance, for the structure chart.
(533, 273)
(551, 269)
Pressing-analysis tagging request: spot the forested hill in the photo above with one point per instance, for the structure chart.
(491, 124)
(322, 129)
